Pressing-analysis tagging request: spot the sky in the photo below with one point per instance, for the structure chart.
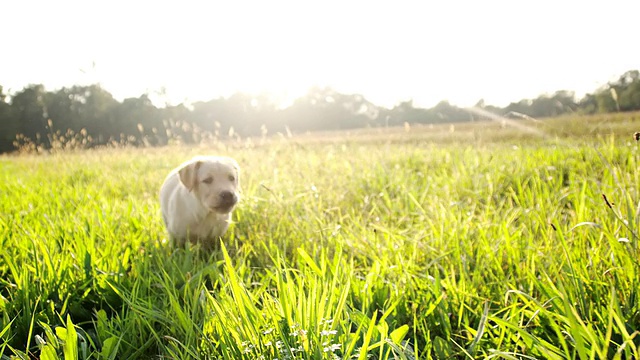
(388, 51)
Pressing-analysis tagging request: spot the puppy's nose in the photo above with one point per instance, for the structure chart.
(228, 197)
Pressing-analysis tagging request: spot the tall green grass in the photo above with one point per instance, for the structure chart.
(347, 249)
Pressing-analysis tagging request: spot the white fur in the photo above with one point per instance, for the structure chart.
(195, 209)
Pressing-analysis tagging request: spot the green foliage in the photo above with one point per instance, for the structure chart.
(342, 249)
(89, 116)
(620, 95)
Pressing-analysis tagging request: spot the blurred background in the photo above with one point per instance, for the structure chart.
(149, 73)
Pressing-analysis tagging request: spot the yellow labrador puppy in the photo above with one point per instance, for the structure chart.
(197, 199)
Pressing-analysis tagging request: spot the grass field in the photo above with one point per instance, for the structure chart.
(472, 241)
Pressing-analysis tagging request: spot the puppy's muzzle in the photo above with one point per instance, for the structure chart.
(227, 200)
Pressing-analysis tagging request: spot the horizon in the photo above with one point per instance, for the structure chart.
(458, 52)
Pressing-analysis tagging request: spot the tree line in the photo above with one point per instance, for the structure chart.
(89, 115)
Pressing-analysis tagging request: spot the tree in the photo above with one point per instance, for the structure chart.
(405, 112)
(90, 109)
(628, 87)
(588, 104)
(31, 114)
(9, 125)
(620, 95)
(138, 120)
(94, 113)
(607, 100)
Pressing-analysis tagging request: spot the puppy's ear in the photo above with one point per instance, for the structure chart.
(189, 175)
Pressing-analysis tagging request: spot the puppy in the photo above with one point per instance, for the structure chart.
(197, 199)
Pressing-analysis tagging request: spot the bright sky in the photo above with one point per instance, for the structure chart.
(388, 51)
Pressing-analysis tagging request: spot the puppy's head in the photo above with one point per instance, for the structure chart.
(213, 181)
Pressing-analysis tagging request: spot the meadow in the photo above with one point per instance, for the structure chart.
(469, 241)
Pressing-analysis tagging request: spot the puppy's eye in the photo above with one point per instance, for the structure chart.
(208, 180)
(232, 178)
